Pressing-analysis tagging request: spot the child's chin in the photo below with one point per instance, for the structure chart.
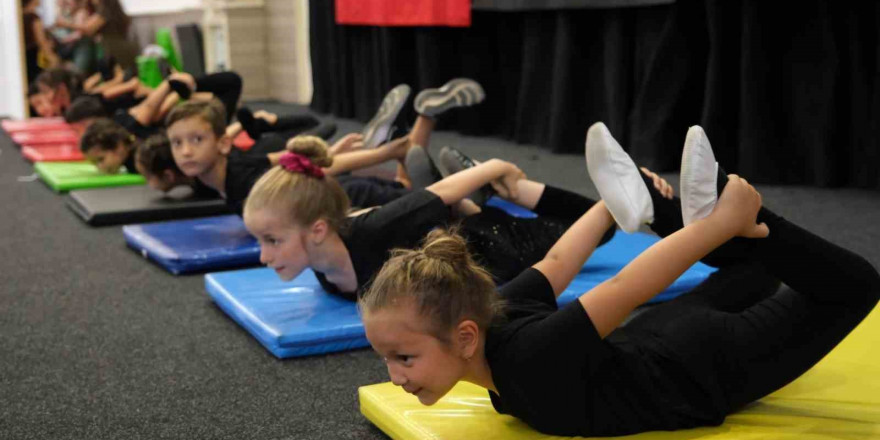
(428, 400)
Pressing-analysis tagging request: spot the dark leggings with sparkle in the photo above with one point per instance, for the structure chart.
(506, 245)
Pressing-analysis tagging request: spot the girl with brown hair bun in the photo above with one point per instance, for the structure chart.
(433, 315)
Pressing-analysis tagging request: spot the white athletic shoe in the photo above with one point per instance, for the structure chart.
(618, 180)
(376, 131)
(459, 92)
(699, 176)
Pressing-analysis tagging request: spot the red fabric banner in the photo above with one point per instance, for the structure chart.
(456, 13)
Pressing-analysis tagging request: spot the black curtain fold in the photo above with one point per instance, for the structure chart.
(786, 92)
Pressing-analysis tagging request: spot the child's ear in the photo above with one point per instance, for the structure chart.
(467, 336)
(169, 176)
(224, 144)
(319, 230)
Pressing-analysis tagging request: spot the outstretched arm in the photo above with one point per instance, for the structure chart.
(349, 142)
(354, 160)
(565, 259)
(457, 186)
(609, 303)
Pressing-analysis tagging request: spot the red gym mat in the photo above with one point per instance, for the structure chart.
(58, 153)
(45, 138)
(34, 125)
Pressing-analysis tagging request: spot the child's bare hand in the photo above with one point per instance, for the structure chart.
(269, 117)
(185, 78)
(349, 142)
(738, 207)
(506, 185)
(660, 183)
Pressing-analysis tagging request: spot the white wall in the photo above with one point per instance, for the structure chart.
(12, 74)
(140, 7)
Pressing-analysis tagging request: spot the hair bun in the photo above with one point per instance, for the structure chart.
(312, 147)
(447, 246)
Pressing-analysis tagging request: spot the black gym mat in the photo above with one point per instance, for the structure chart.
(140, 204)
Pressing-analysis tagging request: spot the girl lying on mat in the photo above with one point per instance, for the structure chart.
(437, 318)
(300, 216)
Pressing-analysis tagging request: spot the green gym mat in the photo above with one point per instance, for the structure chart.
(65, 176)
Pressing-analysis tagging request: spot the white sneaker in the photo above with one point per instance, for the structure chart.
(699, 176)
(618, 180)
(459, 92)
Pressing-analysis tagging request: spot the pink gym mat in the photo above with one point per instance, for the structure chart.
(56, 153)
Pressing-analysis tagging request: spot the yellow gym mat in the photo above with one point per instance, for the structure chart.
(838, 399)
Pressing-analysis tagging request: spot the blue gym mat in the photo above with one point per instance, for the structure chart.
(298, 318)
(202, 244)
(609, 258)
(290, 319)
(512, 208)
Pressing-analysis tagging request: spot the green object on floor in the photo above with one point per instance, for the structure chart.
(163, 40)
(65, 176)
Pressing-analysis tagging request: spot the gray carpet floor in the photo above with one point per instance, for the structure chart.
(98, 343)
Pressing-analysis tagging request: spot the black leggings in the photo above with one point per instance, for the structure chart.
(289, 126)
(507, 245)
(753, 337)
(225, 86)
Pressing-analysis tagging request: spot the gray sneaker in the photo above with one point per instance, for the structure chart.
(459, 92)
(450, 161)
(376, 131)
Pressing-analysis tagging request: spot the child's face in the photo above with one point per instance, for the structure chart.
(108, 161)
(166, 181)
(283, 246)
(42, 104)
(195, 147)
(53, 101)
(417, 361)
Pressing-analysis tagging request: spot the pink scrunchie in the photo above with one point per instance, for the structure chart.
(297, 163)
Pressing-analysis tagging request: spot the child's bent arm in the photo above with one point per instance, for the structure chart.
(354, 160)
(565, 259)
(609, 303)
(457, 186)
(145, 111)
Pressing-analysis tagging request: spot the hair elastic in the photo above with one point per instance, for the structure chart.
(297, 163)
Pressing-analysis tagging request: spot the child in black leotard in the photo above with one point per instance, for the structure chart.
(299, 216)
(437, 319)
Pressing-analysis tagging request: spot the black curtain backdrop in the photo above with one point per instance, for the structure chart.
(787, 92)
